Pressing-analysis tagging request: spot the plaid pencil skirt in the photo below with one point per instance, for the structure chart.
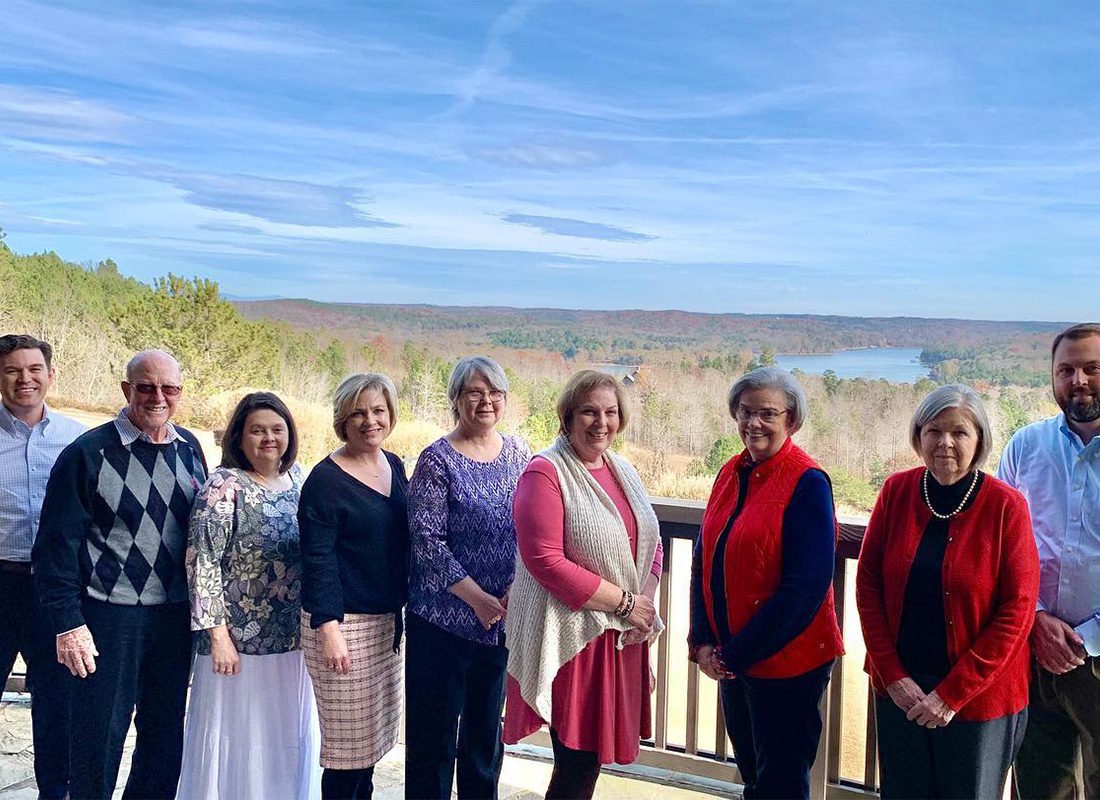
(360, 713)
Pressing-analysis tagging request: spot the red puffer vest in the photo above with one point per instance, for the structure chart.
(754, 555)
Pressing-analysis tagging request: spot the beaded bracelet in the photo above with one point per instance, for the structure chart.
(622, 605)
(626, 607)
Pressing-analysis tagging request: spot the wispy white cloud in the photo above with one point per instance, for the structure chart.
(856, 156)
(52, 114)
(241, 35)
(561, 226)
(283, 201)
(534, 153)
(494, 58)
(62, 153)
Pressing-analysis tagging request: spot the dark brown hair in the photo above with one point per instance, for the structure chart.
(232, 454)
(1074, 332)
(24, 341)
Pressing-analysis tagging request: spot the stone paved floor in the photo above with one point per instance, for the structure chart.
(521, 778)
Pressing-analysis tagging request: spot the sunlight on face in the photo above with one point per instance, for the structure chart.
(594, 424)
(763, 421)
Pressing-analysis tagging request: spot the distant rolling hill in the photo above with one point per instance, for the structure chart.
(654, 336)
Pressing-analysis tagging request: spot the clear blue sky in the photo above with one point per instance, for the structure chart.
(868, 158)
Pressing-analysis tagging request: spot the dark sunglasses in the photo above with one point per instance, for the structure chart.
(167, 389)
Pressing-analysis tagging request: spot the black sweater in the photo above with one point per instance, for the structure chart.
(922, 634)
(355, 544)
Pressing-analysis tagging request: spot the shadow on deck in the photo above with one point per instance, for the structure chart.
(524, 777)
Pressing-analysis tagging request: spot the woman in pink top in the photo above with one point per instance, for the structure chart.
(581, 613)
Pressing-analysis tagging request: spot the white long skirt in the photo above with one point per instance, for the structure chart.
(251, 735)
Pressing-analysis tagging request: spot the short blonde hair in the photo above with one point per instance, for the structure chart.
(962, 397)
(347, 393)
(581, 385)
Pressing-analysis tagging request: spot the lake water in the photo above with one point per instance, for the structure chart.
(895, 364)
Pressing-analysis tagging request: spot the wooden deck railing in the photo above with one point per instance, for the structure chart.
(680, 521)
(689, 734)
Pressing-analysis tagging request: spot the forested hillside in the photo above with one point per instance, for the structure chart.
(679, 434)
(1004, 353)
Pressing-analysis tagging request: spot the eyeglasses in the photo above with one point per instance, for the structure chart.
(765, 415)
(477, 395)
(167, 389)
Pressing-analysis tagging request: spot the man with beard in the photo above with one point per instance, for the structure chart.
(1055, 463)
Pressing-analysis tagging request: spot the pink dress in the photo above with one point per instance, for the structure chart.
(599, 699)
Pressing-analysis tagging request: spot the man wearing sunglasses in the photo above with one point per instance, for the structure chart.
(110, 564)
(32, 435)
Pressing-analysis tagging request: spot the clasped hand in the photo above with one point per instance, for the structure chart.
(711, 664)
(1057, 647)
(489, 609)
(641, 620)
(927, 710)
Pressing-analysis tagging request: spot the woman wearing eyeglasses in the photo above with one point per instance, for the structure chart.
(762, 617)
(463, 564)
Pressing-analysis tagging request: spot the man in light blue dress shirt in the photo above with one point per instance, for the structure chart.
(1055, 463)
(31, 438)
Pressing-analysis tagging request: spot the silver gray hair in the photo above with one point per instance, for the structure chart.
(466, 369)
(135, 362)
(772, 378)
(954, 395)
(347, 393)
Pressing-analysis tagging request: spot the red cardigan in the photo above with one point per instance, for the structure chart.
(990, 583)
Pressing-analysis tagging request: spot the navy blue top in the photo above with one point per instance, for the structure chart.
(805, 577)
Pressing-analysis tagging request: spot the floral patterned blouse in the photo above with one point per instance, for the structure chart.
(244, 564)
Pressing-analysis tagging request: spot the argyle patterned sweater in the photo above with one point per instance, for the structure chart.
(114, 523)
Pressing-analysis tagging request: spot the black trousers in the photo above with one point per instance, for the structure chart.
(25, 629)
(143, 665)
(454, 693)
(959, 760)
(1063, 735)
(775, 725)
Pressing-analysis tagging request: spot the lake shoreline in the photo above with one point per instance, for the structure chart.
(892, 364)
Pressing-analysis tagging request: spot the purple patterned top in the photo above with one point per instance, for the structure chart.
(460, 520)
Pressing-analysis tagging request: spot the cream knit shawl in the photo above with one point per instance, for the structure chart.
(543, 633)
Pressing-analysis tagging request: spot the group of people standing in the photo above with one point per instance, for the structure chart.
(979, 596)
(323, 604)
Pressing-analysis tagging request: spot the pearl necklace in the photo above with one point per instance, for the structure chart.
(928, 500)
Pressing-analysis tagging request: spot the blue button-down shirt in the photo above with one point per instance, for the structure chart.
(27, 455)
(1060, 477)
